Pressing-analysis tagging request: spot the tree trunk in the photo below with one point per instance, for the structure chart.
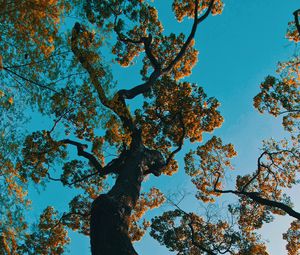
(109, 228)
(110, 212)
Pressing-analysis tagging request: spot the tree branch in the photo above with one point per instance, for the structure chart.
(114, 166)
(148, 50)
(207, 12)
(38, 61)
(30, 81)
(187, 43)
(273, 203)
(116, 104)
(296, 17)
(140, 89)
(257, 172)
(11, 72)
(190, 224)
(263, 201)
(156, 156)
(66, 215)
(81, 152)
(77, 29)
(194, 242)
(59, 119)
(173, 153)
(289, 111)
(145, 40)
(73, 182)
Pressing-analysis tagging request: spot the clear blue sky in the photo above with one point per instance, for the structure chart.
(237, 50)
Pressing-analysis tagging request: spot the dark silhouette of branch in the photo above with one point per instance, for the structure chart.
(30, 81)
(113, 166)
(193, 232)
(81, 152)
(64, 182)
(140, 89)
(187, 43)
(296, 17)
(38, 61)
(173, 153)
(290, 111)
(257, 172)
(260, 200)
(195, 243)
(121, 95)
(144, 40)
(147, 43)
(66, 215)
(37, 83)
(58, 120)
(116, 104)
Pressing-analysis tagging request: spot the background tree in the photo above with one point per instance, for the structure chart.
(88, 105)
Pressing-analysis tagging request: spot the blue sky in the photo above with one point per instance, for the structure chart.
(237, 50)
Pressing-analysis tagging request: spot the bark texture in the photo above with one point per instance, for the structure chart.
(110, 212)
(109, 228)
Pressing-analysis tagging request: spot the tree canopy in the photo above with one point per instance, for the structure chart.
(103, 140)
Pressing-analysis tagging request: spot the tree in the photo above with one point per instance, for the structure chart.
(89, 110)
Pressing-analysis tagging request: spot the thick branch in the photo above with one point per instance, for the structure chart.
(263, 201)
(207, 12)
(187, 43)
(273, 203)
(140, 89)
(81, 152)
(114, 166)
(117, 103)
(296, 17)
(147, 43)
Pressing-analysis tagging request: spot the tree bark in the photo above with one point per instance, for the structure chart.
(109, 228)
(110, 212)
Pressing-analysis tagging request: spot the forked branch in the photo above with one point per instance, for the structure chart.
(140, 89)
(113, 166)
(81, 152)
